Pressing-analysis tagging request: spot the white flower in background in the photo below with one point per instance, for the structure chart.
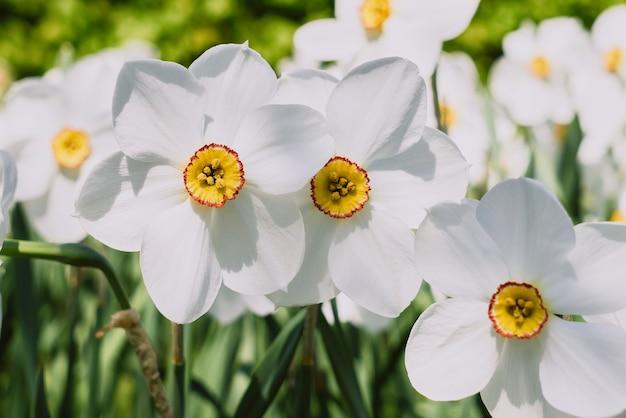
(600, 100)
(514, 265)
(608, 40)
(462, 110)
(57, 127)
(230, 306)
(509, 153)
(386, 170)
(196, 187)
(363, 30)
(349, 311)
(530, 81)
(8, 183)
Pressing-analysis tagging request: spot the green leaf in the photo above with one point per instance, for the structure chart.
(269, 374)
(40, 406)
(569, 171)
(343, 367)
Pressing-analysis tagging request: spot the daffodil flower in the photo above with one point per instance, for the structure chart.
(462, 110)
(386, 170)
(197, 185)
(530, 81)
(516, 270)
(57, 127)
(363, 30)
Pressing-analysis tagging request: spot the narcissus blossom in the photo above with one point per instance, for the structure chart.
(530, 81)
(463, 111)
(196, 187)
(363, 30)
(362, 204)
(517, 271)
(72, 132)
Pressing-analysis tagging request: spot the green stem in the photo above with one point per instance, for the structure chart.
(440, 123)
(178, 359)
(307, 367)
(72, 254)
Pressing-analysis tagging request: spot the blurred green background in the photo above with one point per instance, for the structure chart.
(33, 31)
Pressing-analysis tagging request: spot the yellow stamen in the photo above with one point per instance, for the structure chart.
(613, 59)
(340, 189)
(447, 114)
(374, 13)
(516, 310)
(617, 216)
(540, 67)
(214, 175)
(71, 148)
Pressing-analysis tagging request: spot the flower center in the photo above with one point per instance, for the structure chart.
(516, 311)
(340, 189)
(214, 175)
(71, 148)
(447, 114)
(613, 59)
(374, 13)
(617, 216)
(540, 67)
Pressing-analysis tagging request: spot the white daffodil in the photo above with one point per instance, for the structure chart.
(8, 183)
(462, 110)
(196, 187)
(608, 41)
(349, 311)
(530, 81)
(73, 131)
(230, 306)
(363, 30)
(515, 268)
(386, 169)
(600, 100)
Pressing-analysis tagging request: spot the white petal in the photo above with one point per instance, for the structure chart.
(52, 215)
(452, 350)
(377, 110)
(158, 112)
(228, 306)
(312, 283)
(429, 172)
(282, 147)
(306, 87)
(36, 168)
(528, 224)
(371, 261)
(328, 40)
(182, 280)
(259, 242)
(520, 45)
(608, 29)
(455, 255)
(237, 80)
(349, 311)
(8, 180)
(593, 282)
(583, 369)
(259, 305)
(445, 19)
(121, 196)
(514, 390)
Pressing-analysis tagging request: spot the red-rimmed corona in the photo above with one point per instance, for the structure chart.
(516, 310)
(214, 175)
(341, 188)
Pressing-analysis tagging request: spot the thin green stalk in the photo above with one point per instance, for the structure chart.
(72, 254)
(440, 122)
(306, 373)
(178, 360)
